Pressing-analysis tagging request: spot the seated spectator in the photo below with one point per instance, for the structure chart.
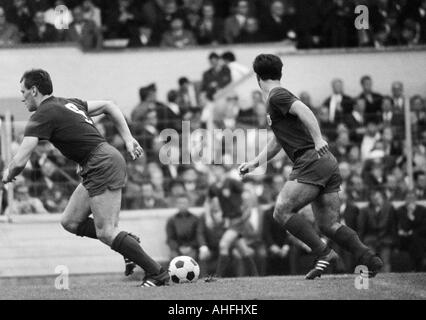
(148, 199)
(371, 136)
(187, 95)
(340, 148)
(182, 231)
(141, 36)
(377, 227)
(156, 176)
(20, 15)
(148, 97)
(394, 191)
(235, 23)
(410, 33)
(356, 189)
(412, 231)
(61, 19)
(277, 245)
(176, 189)
(339, 104)
(145, 131)
(55, 200)
(190, 10)
(209, 30)
(420, 184)
(275, 25)
(92, 12)
(40, 31)
(398, 98)
(419, 15)
(373, 100)
(191, 181)
(9, 33)
(23, 203)
(84, 32)
(121, 18)
(170, 115)
(392, 117)
(238, 70)
(251, 33)
(338, 30)
(328, 128)
(177, 36)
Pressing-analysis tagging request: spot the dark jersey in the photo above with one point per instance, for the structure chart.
(230, 197)
(67, 125)
(288, 129)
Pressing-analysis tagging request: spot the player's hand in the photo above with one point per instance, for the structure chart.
(5, 178)
(322, 147)
(247, 167)
(134, 149)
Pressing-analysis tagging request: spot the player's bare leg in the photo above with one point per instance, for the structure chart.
(326, 210)
(75, 219)
(293, 197)
(247, 256)
(106, 209)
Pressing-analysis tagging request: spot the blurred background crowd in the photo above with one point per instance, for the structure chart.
(180, 23)
(366, 133)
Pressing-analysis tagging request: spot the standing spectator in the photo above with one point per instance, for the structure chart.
(217, 77)
(373, 100)
(339, 104)
(40, 31)
(121, 17)
(209, 30)
(412, 230)
(9, 33)
(235, 23)
(84, 32)
(145, 131)
(187, 95)
(238, 70)
(176, 190)
(392, 117)
(356, 121)
(61, 19)
(340, 148)
(20, 15)
(398, 98)
(328, 128)
(169, 115)
(148, 200)
(167, 13)
(181, 231)
(177, 36)
(420, 17)
(420, 184)
(377, 226)
(338, 30)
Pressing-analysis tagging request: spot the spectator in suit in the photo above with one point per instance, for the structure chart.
(9, 33)
(187, 95)
(40, 31)
(339, 104)
(92, 12)
(84, 32)
(148, 200)
(169, 115)
(377, 226)
(176, 188)
(141, 36)
(209, 30)
(121, 18)
(340, 148)
(420, 184)
(419, 15)
(148, 97)
(181, 230)
(20, 15)
(235, 23)
(412, 230)
(356, 121)
(328, 128)
(215, 78)
(251, 33)
(274, 25)
(398, 98)
(373, 100)
(238, 70)
(277, 245)
(177, 36)
(371, 137)
(147, 135)
(392, 117)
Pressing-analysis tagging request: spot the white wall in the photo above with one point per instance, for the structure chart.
(118, 75)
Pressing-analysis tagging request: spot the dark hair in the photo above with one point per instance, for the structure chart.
(40, 79)
(172, 96)
(183, 80)
(229, 56)
(364, 78)
(268, 67)
(213, 55)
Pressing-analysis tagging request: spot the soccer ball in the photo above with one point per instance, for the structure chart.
(184, 269)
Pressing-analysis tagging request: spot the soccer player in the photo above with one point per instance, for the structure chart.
(315, 177)
(67, 124)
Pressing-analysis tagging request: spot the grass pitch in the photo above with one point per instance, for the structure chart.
(116, 287)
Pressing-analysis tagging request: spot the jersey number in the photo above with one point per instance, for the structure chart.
(73, 108)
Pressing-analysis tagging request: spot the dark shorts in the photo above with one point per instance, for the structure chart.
(104, 170)
(323, 172)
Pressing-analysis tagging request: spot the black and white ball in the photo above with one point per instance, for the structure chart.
(184, 269)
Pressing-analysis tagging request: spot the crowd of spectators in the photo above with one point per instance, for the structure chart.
(181, 23)
(365, 132)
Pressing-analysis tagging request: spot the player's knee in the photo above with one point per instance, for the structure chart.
(105, 235)
(282, 213)
(327, 229)
(70, 226)
(224, 247)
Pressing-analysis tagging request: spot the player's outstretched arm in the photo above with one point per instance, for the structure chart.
(96, 108)
(266, 155)
(308, 118)
(20, 159)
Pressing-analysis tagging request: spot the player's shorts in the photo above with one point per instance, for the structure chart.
(324, 172)
(104, 170)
